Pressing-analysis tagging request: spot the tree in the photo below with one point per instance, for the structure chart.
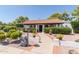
(55, 15)
(1, 23)
(21, 19)
(62, 16)
(66, 16)
(75, 13)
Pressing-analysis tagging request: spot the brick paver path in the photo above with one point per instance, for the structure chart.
(46, 45)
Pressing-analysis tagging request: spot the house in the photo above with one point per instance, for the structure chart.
(41, 24)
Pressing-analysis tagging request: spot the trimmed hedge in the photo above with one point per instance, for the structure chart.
(58, 30)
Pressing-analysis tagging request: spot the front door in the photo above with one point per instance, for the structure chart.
(40, 28)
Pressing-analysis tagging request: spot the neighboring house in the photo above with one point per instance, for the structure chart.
(41, 24)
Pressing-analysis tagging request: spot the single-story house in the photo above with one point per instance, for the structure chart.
(41, 24)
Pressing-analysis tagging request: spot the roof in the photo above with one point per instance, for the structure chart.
(52, 21)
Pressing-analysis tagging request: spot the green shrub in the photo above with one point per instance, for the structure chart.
(76, 31)
(12, 30)
(8, 28)
(61, 30)
(8, 34)
(19, 33)
(2, 37)
(75, 25)
(2, 32)
(24, 30)
(58, 30)
(33, 30)
(14, 35)
(47, 29)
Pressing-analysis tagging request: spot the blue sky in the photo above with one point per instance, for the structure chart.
(9, 12)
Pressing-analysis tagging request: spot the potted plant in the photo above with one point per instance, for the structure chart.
(60, 37)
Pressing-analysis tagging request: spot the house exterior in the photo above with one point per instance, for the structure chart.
(41, 24)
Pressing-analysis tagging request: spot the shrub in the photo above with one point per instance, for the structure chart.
(33, 30)
(75, 25)
(2, 37)
(12, 30)
(2, 32)
(7, 28)
(76, 31)
(19, 25)
(59, 36)
(19, 33)
(8, 34)
(14, 35)
(58, 30)
(47, 29)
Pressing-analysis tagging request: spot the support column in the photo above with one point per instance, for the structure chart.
(43, 28)
(36, 27)
(60, 25)
(56, 25)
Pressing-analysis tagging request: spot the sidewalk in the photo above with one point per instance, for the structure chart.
(45, 47)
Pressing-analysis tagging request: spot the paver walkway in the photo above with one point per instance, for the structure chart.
(46, 45)
(12, 50)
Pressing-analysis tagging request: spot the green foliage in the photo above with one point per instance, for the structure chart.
(2, 36)
(59, 36)
(65, 16)
(8, 34)
(58, 30)
(2, 32)
(75, 25)
(12, 30)
(75, 13)
(62, 16)
(55, 15)
(14, 34)
(19, 25)
(47, 29)
(19, 33)
(19, 20)
(33, 30)
(8, 28)
(61, 30)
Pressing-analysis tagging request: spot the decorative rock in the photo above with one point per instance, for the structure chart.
(72, 52)
(77, 40)
(24, 41)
